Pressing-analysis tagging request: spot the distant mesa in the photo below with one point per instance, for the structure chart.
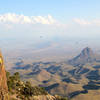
(86, 56)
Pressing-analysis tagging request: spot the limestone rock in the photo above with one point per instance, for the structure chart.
(44, 97)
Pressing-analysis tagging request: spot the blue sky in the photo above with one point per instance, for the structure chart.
(60, 9)
(53, 19)
(57, 24)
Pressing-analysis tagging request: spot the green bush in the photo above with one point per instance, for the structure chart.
(28, 90)
(24, 90)
(12, 81)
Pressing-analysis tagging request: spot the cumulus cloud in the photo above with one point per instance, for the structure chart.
(22, 19)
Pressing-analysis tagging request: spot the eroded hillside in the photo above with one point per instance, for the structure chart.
(77, 77)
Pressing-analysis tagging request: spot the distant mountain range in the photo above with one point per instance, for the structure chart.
(86, 56)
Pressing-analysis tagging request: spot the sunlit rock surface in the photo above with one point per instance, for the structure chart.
(3, 80)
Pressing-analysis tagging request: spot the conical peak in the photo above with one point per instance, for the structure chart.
(87, 48)
(87, 52)
(86, 56)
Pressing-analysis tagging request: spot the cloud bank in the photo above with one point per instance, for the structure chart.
(87, 22)
(21, 26)
(22, 19)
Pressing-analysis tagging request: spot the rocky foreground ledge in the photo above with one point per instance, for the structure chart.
(3, 81)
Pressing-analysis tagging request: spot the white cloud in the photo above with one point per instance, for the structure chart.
(14, 25)
(44, 20)
(87, 22)
(82, 21)
(22, 19)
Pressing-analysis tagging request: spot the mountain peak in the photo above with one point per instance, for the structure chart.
(86, 56)
(87, 49)
(87, 52)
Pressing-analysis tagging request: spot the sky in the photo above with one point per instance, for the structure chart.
(57, 8)
(52, 20)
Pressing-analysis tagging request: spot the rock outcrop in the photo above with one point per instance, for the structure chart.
(3, 80)
(44, 97)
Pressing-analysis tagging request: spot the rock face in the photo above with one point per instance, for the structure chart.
(3, 80)
(86, 56)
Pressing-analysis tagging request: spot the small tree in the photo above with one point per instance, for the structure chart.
(17, 76)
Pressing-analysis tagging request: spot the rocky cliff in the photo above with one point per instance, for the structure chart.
(3, 80)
